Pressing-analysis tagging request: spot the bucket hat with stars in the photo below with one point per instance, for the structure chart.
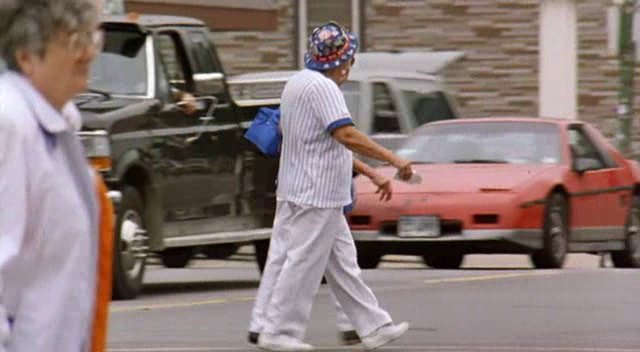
(330, 46)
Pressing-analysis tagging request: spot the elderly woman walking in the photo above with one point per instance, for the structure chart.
(49, 207)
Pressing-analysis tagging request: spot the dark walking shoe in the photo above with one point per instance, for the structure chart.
(253, 337)
(349, 337)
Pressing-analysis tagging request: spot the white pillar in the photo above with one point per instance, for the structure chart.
(558, 59)
(302, 32)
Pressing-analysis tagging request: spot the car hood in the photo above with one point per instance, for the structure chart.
(460, 178)
(102, 113)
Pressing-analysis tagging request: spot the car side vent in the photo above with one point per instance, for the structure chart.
(485, 219)
(360, 220)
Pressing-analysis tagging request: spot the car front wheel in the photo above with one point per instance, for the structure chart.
(630, 256)
(555, 235)
(130, 247)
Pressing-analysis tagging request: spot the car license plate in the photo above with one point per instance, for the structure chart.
(419, 226)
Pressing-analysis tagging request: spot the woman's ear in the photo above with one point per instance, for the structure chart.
(24, 60)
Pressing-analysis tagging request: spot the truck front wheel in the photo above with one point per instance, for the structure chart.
(130, 247)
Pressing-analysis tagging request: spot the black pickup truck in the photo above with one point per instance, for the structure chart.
(181, 183)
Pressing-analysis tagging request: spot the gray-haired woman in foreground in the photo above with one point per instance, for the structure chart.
(48, 202)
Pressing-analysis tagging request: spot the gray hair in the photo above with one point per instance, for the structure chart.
(31, 24)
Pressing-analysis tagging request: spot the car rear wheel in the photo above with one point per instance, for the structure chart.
(555, 235)
(176, 257)
(443, 260)
(130, 247)
(630, 256)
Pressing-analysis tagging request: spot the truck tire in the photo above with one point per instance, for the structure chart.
(261, 248)
(443, 260)
(629, 257)
(220, 251)
(176, 257)
(130, 246)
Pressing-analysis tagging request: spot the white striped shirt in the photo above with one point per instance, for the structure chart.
(315, 169)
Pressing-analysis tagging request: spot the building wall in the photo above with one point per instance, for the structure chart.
(251, 51)
(499, 75)
(598, 72)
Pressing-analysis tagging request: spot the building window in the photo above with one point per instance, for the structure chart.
(313, 13)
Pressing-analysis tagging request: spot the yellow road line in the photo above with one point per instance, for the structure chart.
(488, 277)
(179, 305)
(150, 307)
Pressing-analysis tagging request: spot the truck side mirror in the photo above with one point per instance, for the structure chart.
(209, 83)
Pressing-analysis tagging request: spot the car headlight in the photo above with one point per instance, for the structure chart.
(97, 148)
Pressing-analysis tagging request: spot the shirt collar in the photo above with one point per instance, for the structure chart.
(50, 119)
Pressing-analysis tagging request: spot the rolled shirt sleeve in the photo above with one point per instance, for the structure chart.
(13, 205)
(329, 106)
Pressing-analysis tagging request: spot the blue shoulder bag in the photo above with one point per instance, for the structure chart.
(265, 134)
(264, 131)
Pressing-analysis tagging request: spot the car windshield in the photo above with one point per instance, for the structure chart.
(484, 142)
(121, 67)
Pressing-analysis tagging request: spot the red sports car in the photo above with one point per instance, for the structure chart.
(542, 187)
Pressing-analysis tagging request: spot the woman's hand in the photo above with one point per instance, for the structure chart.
(384, 187)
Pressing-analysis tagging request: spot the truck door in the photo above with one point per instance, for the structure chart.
(219, 145)
(175, 135)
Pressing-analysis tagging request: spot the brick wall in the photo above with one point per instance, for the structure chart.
(598, 73)
(251, 51)
(500, 71)
(499, 75)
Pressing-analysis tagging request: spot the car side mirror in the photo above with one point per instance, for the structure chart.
(581, 165)
(209, 83)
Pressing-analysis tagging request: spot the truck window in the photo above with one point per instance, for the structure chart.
(173, 60)
(121, 67)
(385, 114)
(428, 107)
(351, 90)
(204, 60)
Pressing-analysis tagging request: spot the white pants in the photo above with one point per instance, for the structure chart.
(317, 241)
(275, 261)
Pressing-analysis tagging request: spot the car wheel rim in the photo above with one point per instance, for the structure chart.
(557, 233)
(133, 248)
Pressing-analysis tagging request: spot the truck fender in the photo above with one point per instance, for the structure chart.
(133, 162)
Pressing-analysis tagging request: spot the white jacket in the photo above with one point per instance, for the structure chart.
(48, 224)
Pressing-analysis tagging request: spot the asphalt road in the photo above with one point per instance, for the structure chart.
(496, 303)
